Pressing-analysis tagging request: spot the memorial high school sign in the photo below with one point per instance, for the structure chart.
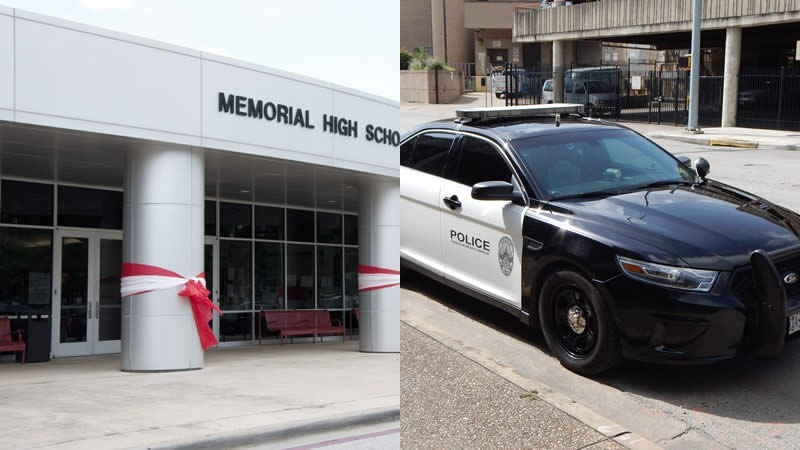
(299, 117)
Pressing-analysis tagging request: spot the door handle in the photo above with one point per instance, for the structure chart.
(452, 202)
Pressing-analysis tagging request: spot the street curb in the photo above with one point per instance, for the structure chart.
(709, 141)
(608, 428)
(283, 431)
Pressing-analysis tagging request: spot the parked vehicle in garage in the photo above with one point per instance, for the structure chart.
(607, 242)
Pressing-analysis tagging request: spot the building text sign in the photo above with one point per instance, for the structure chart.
(299, 117)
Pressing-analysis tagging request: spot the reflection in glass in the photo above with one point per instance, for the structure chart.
(300, 225)
(329, 228)
(25, 268)
(235, 220)
(300, 276)
(269, 276)
(210, 211)
(110, 268)
(329, 277)
(74, 288)
(235, 271)
(351, 278)
(350, 229)
(89, 208)
(269, 223)
(236, 327)
(26, 203)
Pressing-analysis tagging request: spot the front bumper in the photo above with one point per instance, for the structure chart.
(664, 325)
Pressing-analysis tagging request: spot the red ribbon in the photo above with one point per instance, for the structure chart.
(202, 308)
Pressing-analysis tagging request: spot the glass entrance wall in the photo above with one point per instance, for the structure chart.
(281, 257)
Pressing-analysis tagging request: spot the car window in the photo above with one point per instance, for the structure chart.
(430, 152)
(480, 161)
(407, 151)
(565, 164)
(548, 86)
(568, 85)
(580, 88)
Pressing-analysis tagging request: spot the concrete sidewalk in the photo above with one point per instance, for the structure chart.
(734, 137)
(85, 403)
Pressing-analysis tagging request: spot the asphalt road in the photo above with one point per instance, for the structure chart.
(744, 403)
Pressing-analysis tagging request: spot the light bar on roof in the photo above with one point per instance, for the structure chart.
(520, 111)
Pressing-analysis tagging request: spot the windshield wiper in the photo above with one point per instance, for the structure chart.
(591, 194)
(660, 183)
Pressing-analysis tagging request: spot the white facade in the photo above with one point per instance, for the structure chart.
(173, 114)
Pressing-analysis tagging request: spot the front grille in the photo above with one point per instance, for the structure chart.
(743, 285)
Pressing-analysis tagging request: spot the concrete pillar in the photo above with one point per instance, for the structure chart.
(162, 226)
(730, 83)
(558, 71)
(379, 246)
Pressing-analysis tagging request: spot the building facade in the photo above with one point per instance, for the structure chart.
(117, 149)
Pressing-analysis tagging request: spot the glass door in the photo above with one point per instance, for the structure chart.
(211, 269)
(86, 299)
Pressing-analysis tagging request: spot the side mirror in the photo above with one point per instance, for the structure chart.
(496, 190)
(702, 167)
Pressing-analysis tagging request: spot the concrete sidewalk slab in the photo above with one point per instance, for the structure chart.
(734, 137)
(85, 403)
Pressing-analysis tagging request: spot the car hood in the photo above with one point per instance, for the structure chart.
(710, 226)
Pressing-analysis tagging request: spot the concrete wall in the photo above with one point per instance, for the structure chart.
(492, 14)
(419, 86)
(415, 24)
(630, 17)
(459, 38)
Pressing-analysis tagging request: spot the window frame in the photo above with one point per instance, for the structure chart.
(448, 157)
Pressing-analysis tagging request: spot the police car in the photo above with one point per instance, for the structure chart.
(613, 246)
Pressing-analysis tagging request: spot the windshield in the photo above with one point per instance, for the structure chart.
(585, 162)
(599, 87)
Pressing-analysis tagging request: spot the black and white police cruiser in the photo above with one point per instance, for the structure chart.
(610, 244)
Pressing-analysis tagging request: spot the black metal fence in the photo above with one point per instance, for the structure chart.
(768, 97)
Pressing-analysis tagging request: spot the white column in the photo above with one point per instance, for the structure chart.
(163, 226)
(379, 246)
(730, 82)
(558, 71)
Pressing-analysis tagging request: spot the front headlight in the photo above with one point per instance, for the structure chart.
(669, 276)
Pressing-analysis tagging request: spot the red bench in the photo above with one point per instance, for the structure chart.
(300, 322)
(327, 326)
(7, 343)
(290, 323)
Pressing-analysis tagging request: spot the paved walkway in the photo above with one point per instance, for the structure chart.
(86, 403)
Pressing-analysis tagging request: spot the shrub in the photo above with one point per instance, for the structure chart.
(405, 59)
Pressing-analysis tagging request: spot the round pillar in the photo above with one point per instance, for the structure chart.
(379, 246)
(558, 71)
(163, 226)
(730, 81)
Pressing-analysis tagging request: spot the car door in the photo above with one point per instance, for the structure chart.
(422, 162)
(481, 239)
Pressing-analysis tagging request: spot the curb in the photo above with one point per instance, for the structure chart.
(283, 431)
(608, 428)
(722, 141)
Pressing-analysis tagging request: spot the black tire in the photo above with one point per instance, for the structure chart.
(498, 95)
(594, 350)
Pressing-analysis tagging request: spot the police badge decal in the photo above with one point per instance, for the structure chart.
(505, 255)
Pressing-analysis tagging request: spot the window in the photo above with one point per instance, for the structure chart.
(269, 276)
(350, 229)
(300, 225)
(235, 273)
(89, 208)
(430, 152)
(235, 220)
(269, 223)
(329, 277)
(211, 218)
(26, 203)
(548, 86)
(351, 277)
(25, 268)
(580, 88)
(329, 228)
(480, 161)
(407, 151)
(300, 276)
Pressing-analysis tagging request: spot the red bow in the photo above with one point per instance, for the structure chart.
(202, 308)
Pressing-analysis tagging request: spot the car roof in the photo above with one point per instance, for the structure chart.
(512, 129)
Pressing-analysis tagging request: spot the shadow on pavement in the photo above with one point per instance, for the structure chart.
(746, 388)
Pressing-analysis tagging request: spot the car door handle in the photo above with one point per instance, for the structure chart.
(452, 202)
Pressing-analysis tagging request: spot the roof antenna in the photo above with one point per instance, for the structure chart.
(558, 120)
